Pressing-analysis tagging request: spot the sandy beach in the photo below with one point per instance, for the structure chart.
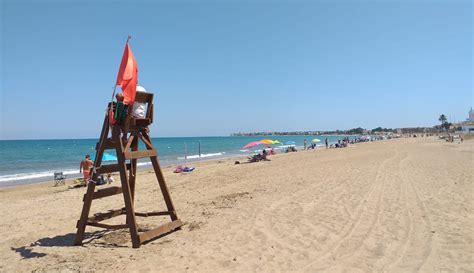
(403, 205)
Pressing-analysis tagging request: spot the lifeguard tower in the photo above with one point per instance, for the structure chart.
(124, 138)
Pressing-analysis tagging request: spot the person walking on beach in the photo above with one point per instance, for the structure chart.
(85, 168)
(327, 143)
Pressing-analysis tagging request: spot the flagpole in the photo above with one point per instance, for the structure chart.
(110, 106)
(115, 86)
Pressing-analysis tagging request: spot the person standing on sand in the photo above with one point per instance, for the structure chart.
(85, 168)
(327, 143)
(305, 144)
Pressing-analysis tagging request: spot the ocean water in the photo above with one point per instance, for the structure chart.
(30, 161)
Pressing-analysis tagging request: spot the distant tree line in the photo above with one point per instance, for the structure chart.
(444, 125)
(354, 131)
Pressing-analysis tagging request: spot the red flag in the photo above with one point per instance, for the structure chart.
(128, 76)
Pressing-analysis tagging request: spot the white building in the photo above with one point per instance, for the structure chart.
(468, 125)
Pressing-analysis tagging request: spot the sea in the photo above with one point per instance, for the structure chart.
(33, 161)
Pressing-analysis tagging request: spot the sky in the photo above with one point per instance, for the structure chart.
(218, 67)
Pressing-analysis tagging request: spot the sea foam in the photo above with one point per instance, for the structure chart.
(202, 155)
(24, 176)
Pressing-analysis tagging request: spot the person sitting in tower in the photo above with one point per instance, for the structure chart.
(139, 108)
(120, 109)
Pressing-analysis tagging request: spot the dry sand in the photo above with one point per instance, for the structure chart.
(401, 205)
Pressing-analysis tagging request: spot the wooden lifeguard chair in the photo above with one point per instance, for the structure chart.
(124, 139)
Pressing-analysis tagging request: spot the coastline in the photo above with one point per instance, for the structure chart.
(395, 205)
(53, 150)
(140, 171)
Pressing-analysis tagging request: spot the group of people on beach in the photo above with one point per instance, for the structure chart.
(450, 138)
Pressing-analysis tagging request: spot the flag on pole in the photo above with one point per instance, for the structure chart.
(128, 76)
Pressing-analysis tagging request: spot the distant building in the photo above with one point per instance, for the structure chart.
(468, 125)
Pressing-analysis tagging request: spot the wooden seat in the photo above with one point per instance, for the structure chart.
(147, 99)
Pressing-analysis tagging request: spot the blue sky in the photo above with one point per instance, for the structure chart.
(223, 67)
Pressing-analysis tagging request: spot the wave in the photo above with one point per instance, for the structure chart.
(36, 175)
(202, 155)
(24, 176)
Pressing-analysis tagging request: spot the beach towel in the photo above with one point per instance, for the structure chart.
(180, 169)
(188, 169)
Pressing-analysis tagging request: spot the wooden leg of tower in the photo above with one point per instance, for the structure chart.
(161, 179)
(100, 148)
(104, 133)
(133, 169)
(127, 196)
(81, 224)
(164, 188)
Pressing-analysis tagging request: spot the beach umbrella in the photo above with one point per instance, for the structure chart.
(267, 141)
(251, 144)
(316, 140)
(276, 142)
(107, 157)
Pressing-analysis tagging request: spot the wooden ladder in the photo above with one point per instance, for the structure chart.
(130, 153)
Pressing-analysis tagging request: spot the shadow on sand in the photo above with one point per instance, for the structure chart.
(28, 253)
(66, 240)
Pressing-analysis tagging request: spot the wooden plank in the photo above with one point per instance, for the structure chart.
(148, 235)
(106, 215)
(147, 143)
(129, 142)
(161, 181)
(141, 122)
(127, 197)
(149, 113)
(111, 168)
(107, 192)
(153, 213)
(100, 149)
(140, 154)
(107, 226)
(133, 168)
(81, 224)
(107, 145)
(143, 97)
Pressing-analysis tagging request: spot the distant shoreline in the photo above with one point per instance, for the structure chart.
(35, 161)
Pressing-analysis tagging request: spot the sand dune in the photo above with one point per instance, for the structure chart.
(401, 205)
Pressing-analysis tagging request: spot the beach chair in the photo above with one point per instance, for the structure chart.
(59, 179)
